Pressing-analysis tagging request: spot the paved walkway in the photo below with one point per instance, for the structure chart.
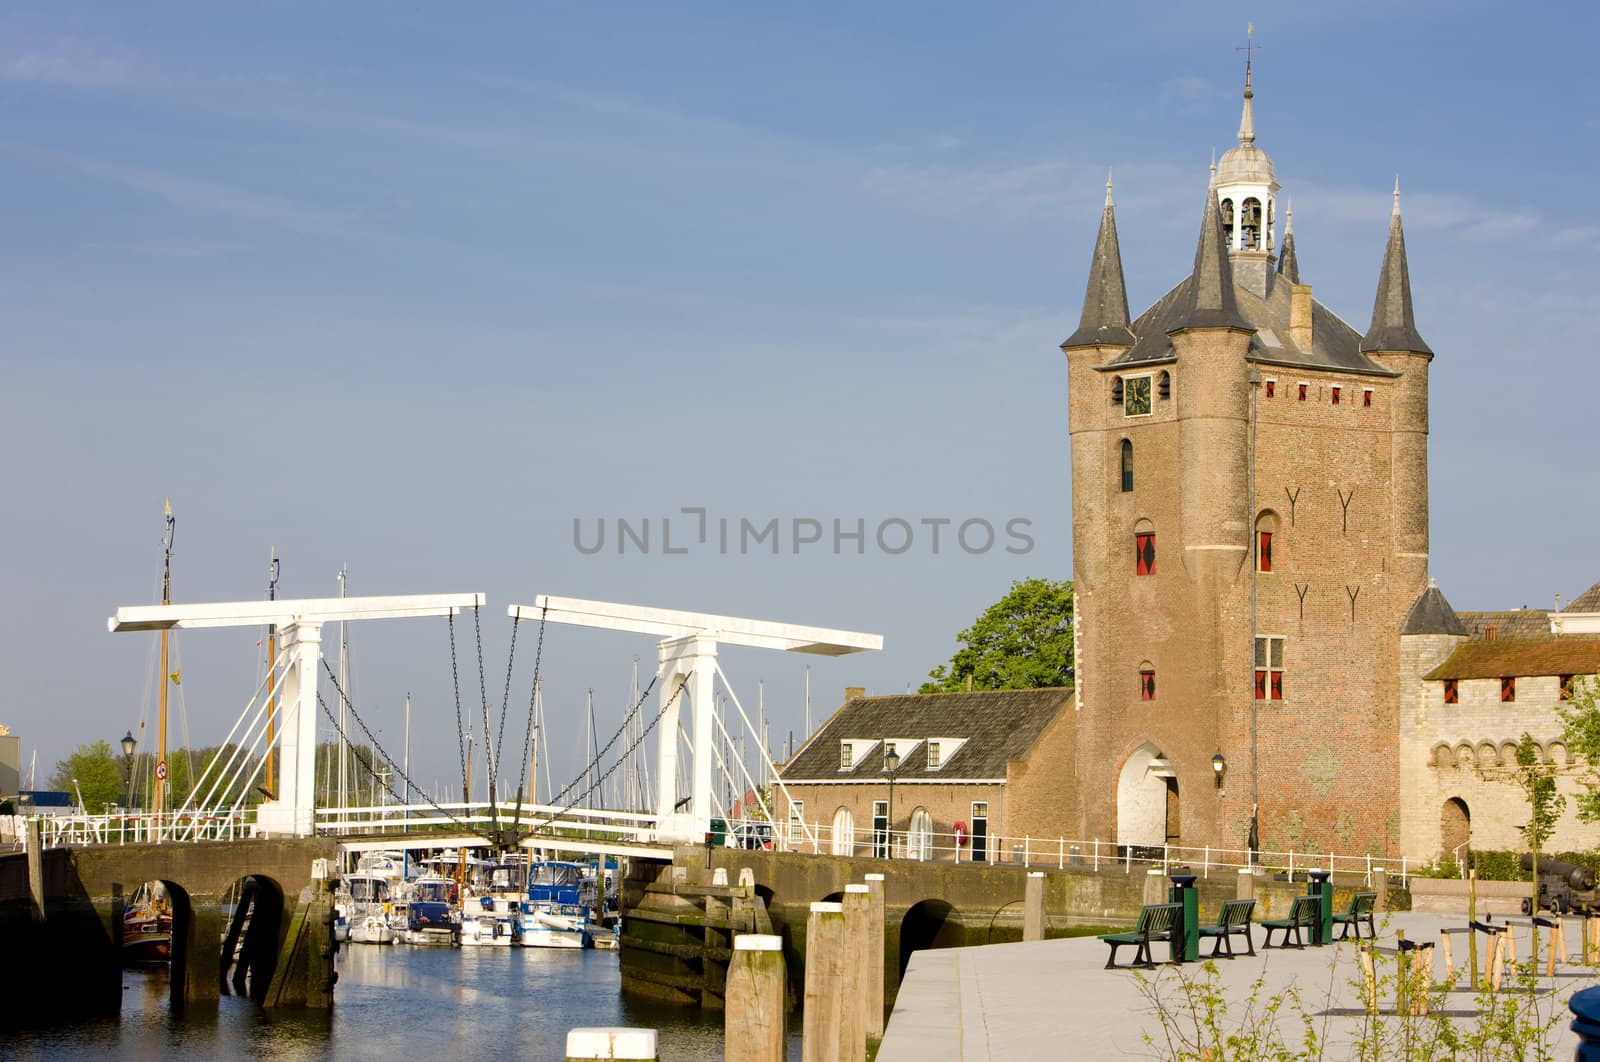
(1053, 999)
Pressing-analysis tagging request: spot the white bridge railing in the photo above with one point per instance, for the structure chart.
(1059, 852)
(129, 827)
(632, 826)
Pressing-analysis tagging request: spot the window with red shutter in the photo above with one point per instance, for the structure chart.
(1452, 691)
(1336, 394)
(1302, 396)
(1264, 551)
(1508, 689)
(1272, 388)
(1269, 668)
(1366, 397)
(1147, 685)
(1566, 687)
(1144, 550)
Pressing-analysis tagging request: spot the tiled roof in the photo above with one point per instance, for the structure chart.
(1588, 601)
(1554, 656)
(998, 725)
(1518, 624)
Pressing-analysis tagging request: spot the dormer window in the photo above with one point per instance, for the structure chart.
(934, 749)
(942, 750)
(846, 755)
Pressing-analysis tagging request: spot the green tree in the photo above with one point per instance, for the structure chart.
(1580, 720)
(1022, 641)
(98, 775)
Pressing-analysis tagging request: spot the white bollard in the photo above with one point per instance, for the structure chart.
(635, 1045)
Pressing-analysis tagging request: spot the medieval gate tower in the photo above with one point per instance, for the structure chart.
(1250, 526)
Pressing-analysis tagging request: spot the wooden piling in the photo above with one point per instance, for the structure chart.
(853, 1027)
(1155, 886)
(635, 1045)
(1033, 907)
(753, 1024)
(820, 1026)
(1245, 888)
(875, 959)
(36, 868)
(1380, 886)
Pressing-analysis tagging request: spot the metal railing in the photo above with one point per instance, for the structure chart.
(120, 827)
(816, 838)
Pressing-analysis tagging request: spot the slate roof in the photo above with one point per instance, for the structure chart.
(1104, 321)
(999, 725)
(1588, 601)
(1432, 614)
(1394, 326)
(1518, 624)
(1555, 656)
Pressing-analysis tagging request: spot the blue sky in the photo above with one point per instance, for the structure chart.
(411, 288)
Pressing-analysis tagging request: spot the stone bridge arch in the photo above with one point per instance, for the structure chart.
(930, 923)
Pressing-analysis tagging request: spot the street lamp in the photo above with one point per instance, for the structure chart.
(128, 747)
(891, 763)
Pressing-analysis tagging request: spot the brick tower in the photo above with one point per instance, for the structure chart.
(1250, 527)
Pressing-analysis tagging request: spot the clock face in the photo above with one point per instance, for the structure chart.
(1136, 396)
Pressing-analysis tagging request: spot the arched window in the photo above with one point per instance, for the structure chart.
(844, 832)
(1147, 681)
(1164, 385)
(1268, 546)
(1116, 390)
(1144, 553)
(1227, 213)
(1127, 465)
(919, 842)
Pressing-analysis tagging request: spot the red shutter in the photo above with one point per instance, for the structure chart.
(1452, 692)
(1508, 689)
(1302, 392)
(1261, 684)
(1144, 550)
(1336, 395)
(1277, 685)
(1264, 552)
(1366, 397)
(1147, 685)
(1272, 388)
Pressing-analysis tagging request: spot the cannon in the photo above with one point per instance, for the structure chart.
(1563, 887)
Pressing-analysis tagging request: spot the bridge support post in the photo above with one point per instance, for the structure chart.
(875, 958)
(824, 983)
(292, 812)
(197, 926)
(753, 1025)
(1033, 907)
(687, 664)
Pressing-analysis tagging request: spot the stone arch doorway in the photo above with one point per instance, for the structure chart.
(919, 842)
(929, 924)
(1147, 798)
(1455, 826)
(844, 832)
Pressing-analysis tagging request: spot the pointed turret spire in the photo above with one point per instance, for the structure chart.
(1288, 264)
(1394, 326)
(1247, 120)
(1209, 302)
(1104, 321)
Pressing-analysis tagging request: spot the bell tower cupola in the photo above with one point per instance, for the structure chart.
(1247, 197)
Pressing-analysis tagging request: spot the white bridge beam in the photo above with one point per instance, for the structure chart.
(294, 809)
(687, 662)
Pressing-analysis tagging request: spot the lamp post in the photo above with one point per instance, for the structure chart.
(1219, 768)
(891, 763)
(129, 744)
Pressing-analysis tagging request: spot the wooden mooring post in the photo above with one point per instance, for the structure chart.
(634, 1045)
(753, 1024)
(824, 999)
(1033, 906)
(36, 868)
(875, 959)
(857, 926)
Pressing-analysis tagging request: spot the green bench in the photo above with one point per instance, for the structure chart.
(1234, 918)
(1155, 924)
(1358, 913)
(1302, 915)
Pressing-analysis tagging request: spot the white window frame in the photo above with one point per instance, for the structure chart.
(1283, 661)
(935, 751)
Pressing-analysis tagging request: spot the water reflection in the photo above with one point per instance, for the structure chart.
(392, 1004)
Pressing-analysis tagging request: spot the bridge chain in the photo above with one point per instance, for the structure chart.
(372, 739)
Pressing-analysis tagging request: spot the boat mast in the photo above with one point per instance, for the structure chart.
(166, 599)
(268, 780)
(405, 760)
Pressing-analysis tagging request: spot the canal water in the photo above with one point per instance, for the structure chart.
(397, 1004)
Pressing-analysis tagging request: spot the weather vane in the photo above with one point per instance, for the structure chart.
(1250, 45)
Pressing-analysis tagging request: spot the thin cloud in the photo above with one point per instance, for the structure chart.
(72, 63)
